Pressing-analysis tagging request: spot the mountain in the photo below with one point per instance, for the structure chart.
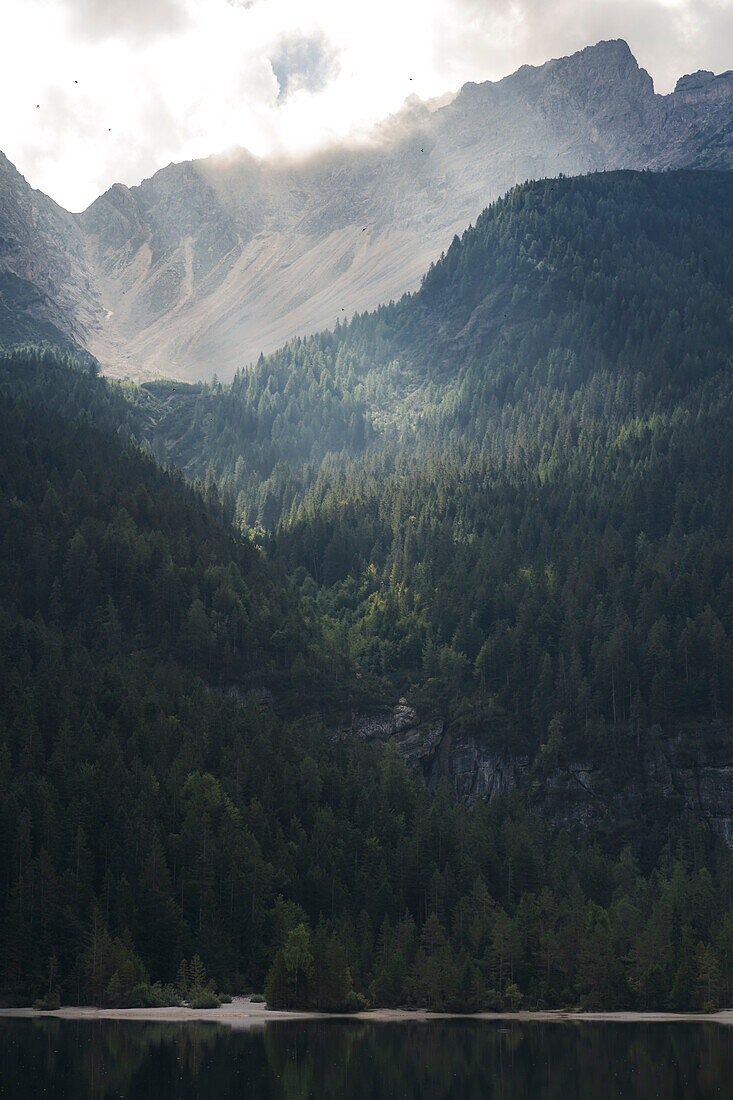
(206, 264)
(25, 317)
(506, 499)
(510, 489)
(559, 283)
(47, 284)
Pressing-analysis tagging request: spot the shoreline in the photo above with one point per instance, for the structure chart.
(242, 1013)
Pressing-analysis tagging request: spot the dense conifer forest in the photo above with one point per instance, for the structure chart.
(506, 496)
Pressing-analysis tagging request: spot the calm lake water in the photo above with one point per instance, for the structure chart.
(332, 1058)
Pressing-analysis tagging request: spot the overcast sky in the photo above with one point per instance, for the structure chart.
(96, 91)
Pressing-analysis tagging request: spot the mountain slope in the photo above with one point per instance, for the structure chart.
(148, 818)
(528, 532)
(534, 545)
(617, 275)
(43, 245)
(206, 264)
(25, 317)
(228, 257)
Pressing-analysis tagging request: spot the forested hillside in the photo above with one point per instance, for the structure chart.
(506, 497)
(513, 486)
(560, 285)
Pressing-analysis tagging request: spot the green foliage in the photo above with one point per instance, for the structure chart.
(530, 531)
(205, 998)
(194, 987)
(291, 971)
(110, 969)
(152, 996)
(508, 495)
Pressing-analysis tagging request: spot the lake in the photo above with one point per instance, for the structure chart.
(297, 1060)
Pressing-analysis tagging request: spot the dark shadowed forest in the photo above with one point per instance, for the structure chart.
(505, 497)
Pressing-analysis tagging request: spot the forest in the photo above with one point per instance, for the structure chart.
(506, 497)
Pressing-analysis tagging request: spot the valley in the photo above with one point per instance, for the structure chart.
(398, 670)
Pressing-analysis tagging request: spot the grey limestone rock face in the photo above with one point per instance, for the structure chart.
(710, 792)
(476, 772)
(417, 740)
(695, 772)
(704, 780)
(201, 267)
(42, 243)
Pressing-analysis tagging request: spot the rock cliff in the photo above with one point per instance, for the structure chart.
(694, 770)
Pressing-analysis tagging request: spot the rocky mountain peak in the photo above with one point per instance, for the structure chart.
(206, 264)
(704, 87)
(694, 81)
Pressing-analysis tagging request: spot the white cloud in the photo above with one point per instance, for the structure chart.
(133, 19)
(125, 86)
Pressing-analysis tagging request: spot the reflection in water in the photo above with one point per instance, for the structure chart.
(353, 1059)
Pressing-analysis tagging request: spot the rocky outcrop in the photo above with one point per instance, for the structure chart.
(417, 741)
(703, 779)
(207, 263)
(473, 770)
(260, 695)
(693, 770)
(477, 772)
(44, 246)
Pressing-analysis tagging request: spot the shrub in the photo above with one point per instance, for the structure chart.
(47, 1003)
(205, 998)
(257, 999)
(355, 1002)
(145, 995)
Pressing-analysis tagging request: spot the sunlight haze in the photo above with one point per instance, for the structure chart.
(96, 92)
